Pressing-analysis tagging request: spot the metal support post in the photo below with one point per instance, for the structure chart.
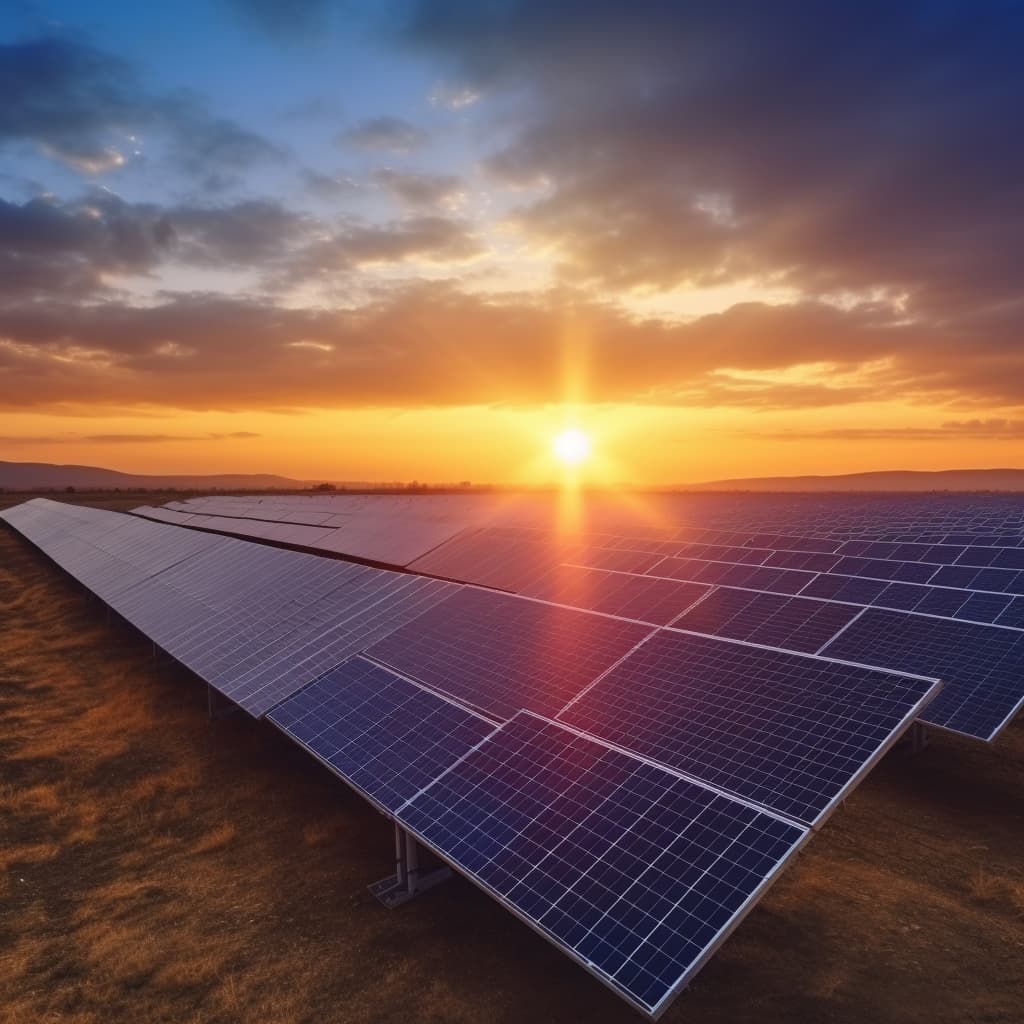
(407, 881)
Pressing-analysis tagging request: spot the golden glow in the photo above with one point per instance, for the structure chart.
(572, 446)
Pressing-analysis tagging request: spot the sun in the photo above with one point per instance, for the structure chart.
(571, 447)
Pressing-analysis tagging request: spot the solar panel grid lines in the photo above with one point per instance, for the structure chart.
(262, 680)
(386, 736)
(624, 595)
(639, 875)
(501, 652)
(860, 612)
(981, 665)
(750, 577)
(775, 620)
(789, 732)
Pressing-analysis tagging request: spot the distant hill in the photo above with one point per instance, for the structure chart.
(895, 480)
(29, 476)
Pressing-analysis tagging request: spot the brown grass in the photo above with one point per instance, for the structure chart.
(157, 867)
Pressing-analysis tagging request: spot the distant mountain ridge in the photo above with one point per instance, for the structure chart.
(28, 476)
(887, 480)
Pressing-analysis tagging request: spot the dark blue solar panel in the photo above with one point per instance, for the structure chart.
(812, 561)
(877, 568)
(787, 731)
(636, 873)
(754, 577)
(844, 588)
(340, 627)
(1009, 558)
(903, 596)
(384, 735)
(982, 666)
(776, 620)
(984, 607)
(647, 598)
(942, 601)
(1014, 614)
(500, 653)
(968, 577)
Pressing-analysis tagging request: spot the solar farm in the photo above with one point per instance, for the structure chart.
(621, 728)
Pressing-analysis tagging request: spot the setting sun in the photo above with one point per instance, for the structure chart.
(572, 446)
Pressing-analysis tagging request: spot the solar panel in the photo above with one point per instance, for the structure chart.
(756, 577)
(647, 598)
(339, 629)
(385, 736)
(637, 874)
(982, 666)
(500, 653)
(794, 623)
(786, 731)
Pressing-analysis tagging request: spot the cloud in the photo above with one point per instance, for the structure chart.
(386, 134)
(992, 429)
(420, 190)
(432, 345)
(49, 247)
(329, 186)
(838, 148)
(89, 109)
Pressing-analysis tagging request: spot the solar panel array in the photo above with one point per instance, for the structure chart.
(256, 623)
(628, 748)
(791, 596)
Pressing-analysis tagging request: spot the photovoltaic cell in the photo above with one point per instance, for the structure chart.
(795, 623)
(636, 873)
(500, 653)
(981, 666)
(630, 596)
(384, 735)
(339, 629)
(789, 732)
(756, 577)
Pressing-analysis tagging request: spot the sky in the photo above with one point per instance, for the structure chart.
(401, 240)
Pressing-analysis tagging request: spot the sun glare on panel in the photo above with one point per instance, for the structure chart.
(572, 447)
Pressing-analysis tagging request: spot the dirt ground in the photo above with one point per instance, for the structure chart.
(156, 866)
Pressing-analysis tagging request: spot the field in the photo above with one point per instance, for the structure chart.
(156, 866)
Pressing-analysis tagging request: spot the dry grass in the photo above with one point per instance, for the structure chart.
(157, 867)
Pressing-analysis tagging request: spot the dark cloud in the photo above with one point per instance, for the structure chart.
(418, 189)
(386, 134)
(48, 247)
(432, 239)
(51, 247)
(251, 233)
(833, 147)
(85, 107)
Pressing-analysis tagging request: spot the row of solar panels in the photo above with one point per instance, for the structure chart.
(931, 519)
(628, 791)
(869, 605)
(392, 534)
(982, 665)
